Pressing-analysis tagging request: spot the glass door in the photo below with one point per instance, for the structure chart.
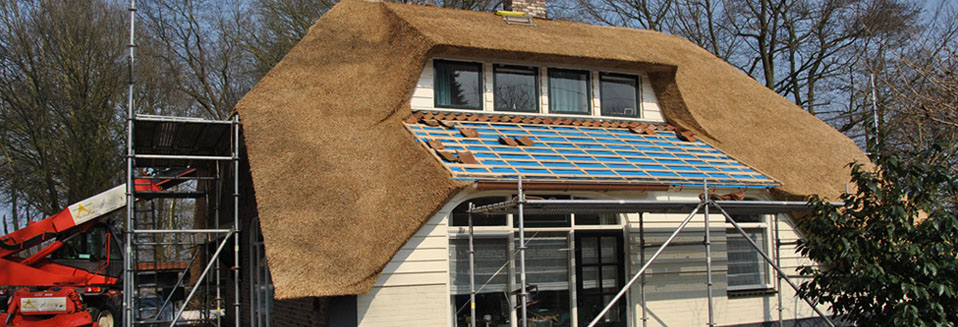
(599, 270)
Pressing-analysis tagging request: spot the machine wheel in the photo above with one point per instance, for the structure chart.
(104, 317)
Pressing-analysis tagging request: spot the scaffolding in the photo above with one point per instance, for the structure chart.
(211, 149)
(521, 206)
(155, 250)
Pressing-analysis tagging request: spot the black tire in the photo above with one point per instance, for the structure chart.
(105, 316)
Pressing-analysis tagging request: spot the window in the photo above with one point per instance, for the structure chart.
(600, 266)
(746, 267)
(460, 215)
(619, 95)
(516, 88)
(545, 220)
(574, 263)
(596, 219)
(569, 91)
(491, 259)
(547, 273)
(458, 84)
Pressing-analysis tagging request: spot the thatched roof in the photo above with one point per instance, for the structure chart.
(341, 185)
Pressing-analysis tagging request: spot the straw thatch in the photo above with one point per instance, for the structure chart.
(341, 185)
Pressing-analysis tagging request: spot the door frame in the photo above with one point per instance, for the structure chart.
(620, 265)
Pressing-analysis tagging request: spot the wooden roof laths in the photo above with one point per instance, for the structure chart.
(544, 152)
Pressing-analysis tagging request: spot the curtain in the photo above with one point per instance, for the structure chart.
(490, 255)
(745, 265)
(547, 263)
(442, 84)
(568, 92)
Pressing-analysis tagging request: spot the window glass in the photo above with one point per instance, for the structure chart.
(547, 274)
(596, 219)
(569, 91)
(492, 309)
(746, 268)
(516, 88)
(619, 95)
(460, 215)
(748, 218)
(491, 259)
(88, 246)
(457, 84)
(599, 275)
(545, 220)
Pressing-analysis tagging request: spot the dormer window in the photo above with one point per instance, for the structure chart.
(516, 88)
(569, 91)
(458, 85)
(619, 95)
(528, 89)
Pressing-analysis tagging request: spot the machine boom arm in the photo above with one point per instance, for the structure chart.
(79, 215)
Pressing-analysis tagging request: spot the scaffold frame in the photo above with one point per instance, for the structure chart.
(521, 206)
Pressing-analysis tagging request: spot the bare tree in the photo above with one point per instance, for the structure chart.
(920, 108)
(267, 29)
(208, 69)
(60, 79)
(814, 52)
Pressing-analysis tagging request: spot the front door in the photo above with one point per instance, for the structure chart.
(599, 269)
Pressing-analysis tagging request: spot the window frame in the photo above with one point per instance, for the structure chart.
(544, 98)
(452, 222)
(638, 93)
(435, 83)
(761, 226)
(537, 107)
(590, 98)
(511, 233)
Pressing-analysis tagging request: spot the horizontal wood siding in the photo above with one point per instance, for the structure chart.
(413, 287)
(676, 289)
(650, 104)
(422, 96)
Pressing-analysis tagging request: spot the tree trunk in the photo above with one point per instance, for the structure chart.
(13, 207)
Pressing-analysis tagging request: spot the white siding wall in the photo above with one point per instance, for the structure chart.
(650, 103)
(422, 96)
(413, 288)
(676, 289)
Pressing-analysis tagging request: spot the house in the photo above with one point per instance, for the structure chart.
(368, 141)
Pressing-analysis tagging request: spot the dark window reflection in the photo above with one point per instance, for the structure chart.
(619, 95)
(458, 84)
(516, 88)
(492, 309)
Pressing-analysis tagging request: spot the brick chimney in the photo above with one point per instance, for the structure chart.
(534, 8)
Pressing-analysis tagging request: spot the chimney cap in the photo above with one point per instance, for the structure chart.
(534, 8)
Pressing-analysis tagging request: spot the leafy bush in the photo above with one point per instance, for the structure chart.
(889, 256)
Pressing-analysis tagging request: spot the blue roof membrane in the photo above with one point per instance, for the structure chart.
(589, 153)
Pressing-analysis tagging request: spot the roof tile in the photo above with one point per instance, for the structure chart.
(525, 141)
(447, 156)
(468, 132)
(435, 144)
(467, 157)
(507, 140)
